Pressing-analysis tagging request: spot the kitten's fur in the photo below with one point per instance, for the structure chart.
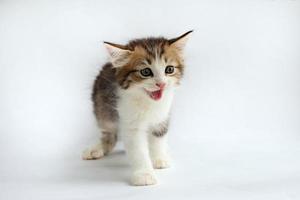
(138, 106)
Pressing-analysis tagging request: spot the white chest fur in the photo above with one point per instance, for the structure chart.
(140, 110)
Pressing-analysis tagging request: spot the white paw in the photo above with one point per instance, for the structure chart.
(161, 163)
(142, 178)
(94, 152)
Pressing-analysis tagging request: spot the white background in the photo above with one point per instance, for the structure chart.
(235, 123)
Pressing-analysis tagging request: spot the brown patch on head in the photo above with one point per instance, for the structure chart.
(128, 73)
(145, 51)
(152, 46)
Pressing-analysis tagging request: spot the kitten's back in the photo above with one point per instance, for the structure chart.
(104, 94)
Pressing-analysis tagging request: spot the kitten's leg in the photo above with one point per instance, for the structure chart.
(104, 146)
(137, 150)
(158, 147)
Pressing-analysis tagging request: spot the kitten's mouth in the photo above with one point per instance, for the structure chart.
(155, 95)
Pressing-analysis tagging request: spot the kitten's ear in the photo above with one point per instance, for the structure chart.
(179, 42)
(118, 53)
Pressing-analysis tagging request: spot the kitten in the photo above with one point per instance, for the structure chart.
(132, 96)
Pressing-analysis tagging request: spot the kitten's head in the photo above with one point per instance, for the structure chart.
(149, 65)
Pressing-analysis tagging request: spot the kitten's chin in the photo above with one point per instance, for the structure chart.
(155, 95)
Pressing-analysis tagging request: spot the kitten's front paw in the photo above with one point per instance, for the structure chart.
(161, 163)
(142, 178)
(92, 153)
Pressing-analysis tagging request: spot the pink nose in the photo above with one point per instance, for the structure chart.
(161, 85)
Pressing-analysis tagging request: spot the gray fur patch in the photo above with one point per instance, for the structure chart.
(105, 96)
(161, 129)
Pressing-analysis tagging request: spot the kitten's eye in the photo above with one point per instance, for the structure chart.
(146, 72)
(169, 69)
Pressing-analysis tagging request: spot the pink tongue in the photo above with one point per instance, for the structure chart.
(156, 95)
